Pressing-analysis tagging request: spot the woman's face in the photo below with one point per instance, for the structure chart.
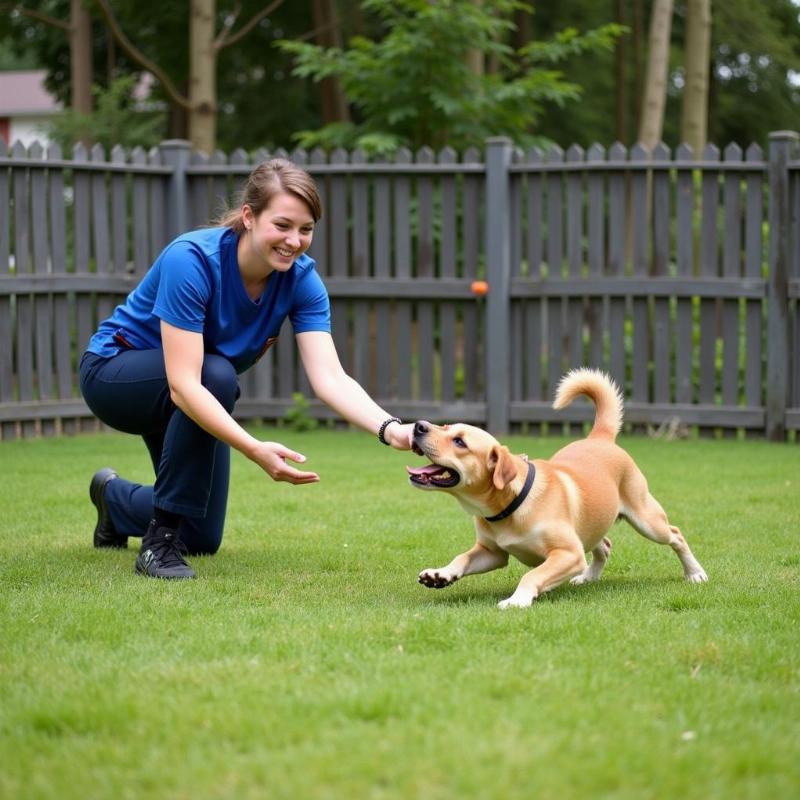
(281, 232)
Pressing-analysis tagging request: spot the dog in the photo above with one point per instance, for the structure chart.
(546, 513)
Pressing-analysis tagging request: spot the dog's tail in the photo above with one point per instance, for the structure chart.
(601, 390)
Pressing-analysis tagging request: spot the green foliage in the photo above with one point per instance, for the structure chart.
(414, 86)
(115, 120)
(298, 417)
(306, 662)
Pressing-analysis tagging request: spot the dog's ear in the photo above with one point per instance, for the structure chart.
(501, 465)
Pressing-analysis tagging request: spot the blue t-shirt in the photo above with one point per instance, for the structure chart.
(195, 285)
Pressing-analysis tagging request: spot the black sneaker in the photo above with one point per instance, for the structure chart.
(161, 555)
(104, 533)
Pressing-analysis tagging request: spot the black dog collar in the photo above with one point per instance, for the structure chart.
(519, 499)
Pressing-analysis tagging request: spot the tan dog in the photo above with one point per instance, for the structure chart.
(549, 524)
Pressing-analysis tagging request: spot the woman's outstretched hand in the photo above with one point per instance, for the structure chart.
(271, 457)
(399, 435)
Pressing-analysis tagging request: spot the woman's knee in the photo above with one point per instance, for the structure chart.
(220, 378)
(200, 537)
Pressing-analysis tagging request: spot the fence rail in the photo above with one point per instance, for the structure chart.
(679, 275)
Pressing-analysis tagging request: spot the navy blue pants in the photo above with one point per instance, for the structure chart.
(130, 392)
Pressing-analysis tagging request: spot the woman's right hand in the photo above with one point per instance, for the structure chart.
(270, 456)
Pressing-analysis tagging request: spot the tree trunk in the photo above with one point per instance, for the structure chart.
(655, 91)
(523, 28)
(638, 36)
(80, 53)
(475, 57)
(620, 79)
(326, 22)
(202, 77)
(694, 110)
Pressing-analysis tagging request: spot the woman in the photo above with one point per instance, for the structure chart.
(165, 366)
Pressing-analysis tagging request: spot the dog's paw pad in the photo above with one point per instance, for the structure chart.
(434, 579)
(697, 577)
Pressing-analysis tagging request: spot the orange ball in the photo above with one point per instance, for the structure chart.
(479, 288)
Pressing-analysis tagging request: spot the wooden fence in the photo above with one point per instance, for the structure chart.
(678, 275)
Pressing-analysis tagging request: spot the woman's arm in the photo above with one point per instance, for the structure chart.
(340, 392)
(183, 359)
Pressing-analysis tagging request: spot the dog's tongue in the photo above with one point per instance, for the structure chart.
(429, 470)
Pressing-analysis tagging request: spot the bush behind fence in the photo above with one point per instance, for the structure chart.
(677, 274)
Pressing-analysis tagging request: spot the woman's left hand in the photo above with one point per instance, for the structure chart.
(399, 435)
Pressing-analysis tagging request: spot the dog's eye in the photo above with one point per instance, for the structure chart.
(459, 442)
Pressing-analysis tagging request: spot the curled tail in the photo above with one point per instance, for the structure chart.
(601, 390)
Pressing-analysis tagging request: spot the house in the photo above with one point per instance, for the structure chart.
(25, 107)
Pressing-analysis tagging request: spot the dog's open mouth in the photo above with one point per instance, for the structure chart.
(432, 475)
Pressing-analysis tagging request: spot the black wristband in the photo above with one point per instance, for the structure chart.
(384, 425)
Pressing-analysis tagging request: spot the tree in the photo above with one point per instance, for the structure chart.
(78, 28)
(328, 34)
(204, 46)
(407, 92)
(694, 112)
(651, 123)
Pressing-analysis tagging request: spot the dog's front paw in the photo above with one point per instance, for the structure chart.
(698, 576)
(517, 600)
(436, 578)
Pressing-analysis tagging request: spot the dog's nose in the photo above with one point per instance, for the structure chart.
(421, 427)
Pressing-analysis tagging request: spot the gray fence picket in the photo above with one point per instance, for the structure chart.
(43, 316)
(7, 429)
(62, 309)
(573, 308)
(447, 269)
(533, 309)
(731, 268)
(426, 267)
(595, 256)
(753, 257)
(472, 333)
(360, 267)
(402, 270)
(381, 260)
(24, 333)
(709, 266)
(794, 275)
(516, 309)
(617, 224)
(141, 250)
(157, 197)
(684, 246)
(197, 188)
(641, 210)
(338, 231)
(662, 333)
(554, 309)
(100, 233)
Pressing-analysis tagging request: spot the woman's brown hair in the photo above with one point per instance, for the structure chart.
(264, 182)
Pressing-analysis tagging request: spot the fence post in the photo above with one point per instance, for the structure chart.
(176, 154)
(781, 149)
(498, 276)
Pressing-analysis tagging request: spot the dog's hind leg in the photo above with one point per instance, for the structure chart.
(600, 555)
(647, 517)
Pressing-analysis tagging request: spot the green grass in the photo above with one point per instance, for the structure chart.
(306, 662)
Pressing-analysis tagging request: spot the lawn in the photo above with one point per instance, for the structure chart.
(306, 661)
